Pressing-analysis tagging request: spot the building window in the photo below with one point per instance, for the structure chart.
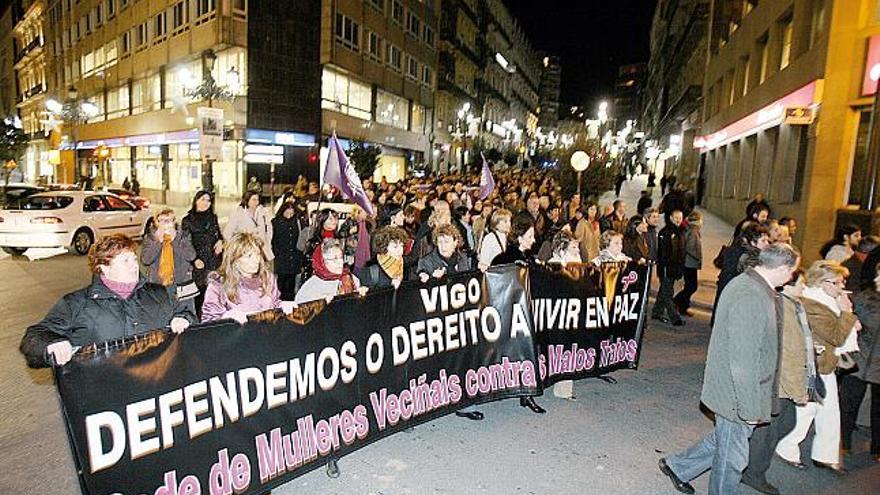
(125, 42)
(140, 39)
(204, 8)
(374, 47)
(98, 12)
(413, 25)
(412, 68)
(764, 50)
(348, 33)
(179, 17)
(397, 12)
(160, 27)
(117, 102)
(787, 33)
(392, 58)
(111, 8)
(748, 6)
(817, 21)
(859, 173)
(378, 5)
(343, 94)
(731, 87)
(392, 110)
(428, 76)
(428, 37)
(417, 118)
(747, 73)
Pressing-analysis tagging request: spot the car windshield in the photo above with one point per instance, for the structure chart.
(45, 202)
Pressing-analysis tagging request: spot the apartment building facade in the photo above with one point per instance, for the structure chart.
(549, 88)
(379, 60)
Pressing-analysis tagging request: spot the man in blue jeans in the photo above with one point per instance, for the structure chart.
(741, 378)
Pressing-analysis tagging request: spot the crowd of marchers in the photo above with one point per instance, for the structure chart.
(791, 348)
(769, 374)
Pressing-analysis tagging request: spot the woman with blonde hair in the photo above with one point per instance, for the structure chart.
(611, 244)
(167, 254)
(495, 240)
(252, 217)
(244, 283)
(831, 319)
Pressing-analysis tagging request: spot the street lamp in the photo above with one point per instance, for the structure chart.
(580, 160)
(73, 113)
(209, 89)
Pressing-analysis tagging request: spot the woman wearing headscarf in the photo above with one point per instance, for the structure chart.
(832, 321)
(324, 226)
(118, 303)
(331, 277)
(243, 284)
(204, 231)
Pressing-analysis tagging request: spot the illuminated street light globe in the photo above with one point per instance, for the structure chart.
(580, 160)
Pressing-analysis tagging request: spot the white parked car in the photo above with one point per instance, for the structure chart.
(72, 219)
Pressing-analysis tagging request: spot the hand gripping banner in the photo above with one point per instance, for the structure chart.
(224, 408)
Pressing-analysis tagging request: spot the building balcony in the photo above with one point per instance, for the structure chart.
(30, 93)
(33, 45)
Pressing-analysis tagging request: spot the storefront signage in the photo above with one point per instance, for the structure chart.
(187, 136)
(210, 133)
(265, 149)
(263, 158)
(766, 117)
(799, 116)
(280, 138)
(872, 67)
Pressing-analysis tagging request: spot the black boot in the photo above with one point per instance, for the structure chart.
(531, 404)
(332, 468)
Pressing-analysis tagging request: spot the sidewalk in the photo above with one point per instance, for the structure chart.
(716, 233)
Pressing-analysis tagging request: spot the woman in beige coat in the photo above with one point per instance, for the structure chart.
(587, 232)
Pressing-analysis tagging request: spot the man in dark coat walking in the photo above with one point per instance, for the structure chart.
(671, 251)
(740, 383)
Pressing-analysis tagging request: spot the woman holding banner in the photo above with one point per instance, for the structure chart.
(519, 245)
(243, 284)
(331, 277)
(566, 249)
(118, 303)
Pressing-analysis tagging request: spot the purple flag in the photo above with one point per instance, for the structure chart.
(487, 182)
(340, 173)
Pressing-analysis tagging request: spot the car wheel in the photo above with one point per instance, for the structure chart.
(14, 251)
(82, 241)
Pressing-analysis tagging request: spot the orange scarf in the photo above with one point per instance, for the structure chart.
(166, 262)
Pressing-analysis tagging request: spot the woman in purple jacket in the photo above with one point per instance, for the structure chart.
(243, 284)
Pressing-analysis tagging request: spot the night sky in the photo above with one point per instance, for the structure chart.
(593, 37)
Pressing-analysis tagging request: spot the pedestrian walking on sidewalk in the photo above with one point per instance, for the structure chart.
(693, 261)
(740, 380)
(670, 265)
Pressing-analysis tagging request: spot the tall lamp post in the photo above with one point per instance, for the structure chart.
(73, 113)
(580, 160)
(209, 89)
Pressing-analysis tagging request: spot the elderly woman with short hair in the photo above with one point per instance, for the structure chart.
(831, 319)
(118, 303)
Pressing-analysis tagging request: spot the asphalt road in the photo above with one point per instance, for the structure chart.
(608, 441)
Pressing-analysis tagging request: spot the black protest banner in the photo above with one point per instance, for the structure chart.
(588, 319)
(224, 409)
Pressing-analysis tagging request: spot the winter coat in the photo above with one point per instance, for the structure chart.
(588, 235)
(285, 235)
(867, 307)
(740, 382)
(512, 254)
(735, 260)
(651, 239)
(204, 231)
(217, 305)
(374, 277)
(612, 222)
(96, 314)
(184, 255)
(636, 248)
(459, 263)
(793, 360)
(240, 220)
(671, 250)
(830, 330)
(693, 247)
